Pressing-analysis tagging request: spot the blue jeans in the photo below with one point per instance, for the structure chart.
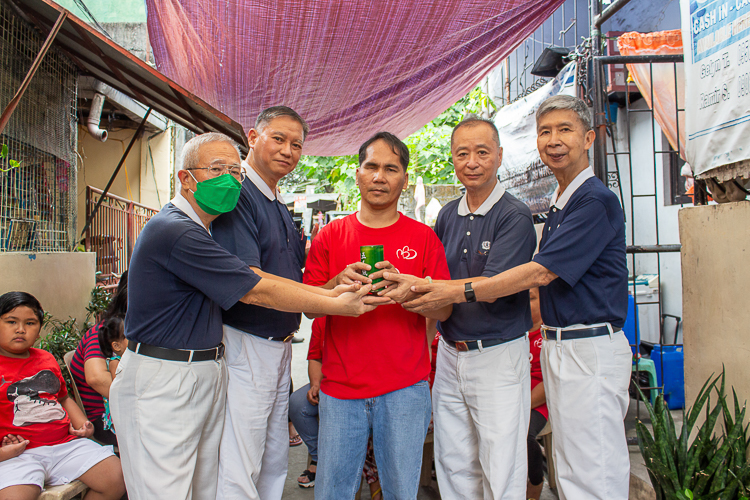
(398, 421)
(305, 419)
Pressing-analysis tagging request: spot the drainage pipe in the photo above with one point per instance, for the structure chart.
(95, 116)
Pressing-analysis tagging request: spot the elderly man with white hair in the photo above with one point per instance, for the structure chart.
(582, 275)
(168, 396)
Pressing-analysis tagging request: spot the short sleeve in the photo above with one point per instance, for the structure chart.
(435, 264)
(237, 232)
(91, 349)
(513, 245)
(63, 392)
(578, 241)
(316, 267)
(315, 351)
(202, 263)
(440, 223)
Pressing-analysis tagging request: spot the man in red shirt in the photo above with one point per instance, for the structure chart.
(375, 367)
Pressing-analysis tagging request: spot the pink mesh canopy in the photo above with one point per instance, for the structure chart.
(349, 67)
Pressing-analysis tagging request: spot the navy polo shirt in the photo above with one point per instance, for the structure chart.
(179, 279)
(498, 236)
(584, 245)
(261, 232)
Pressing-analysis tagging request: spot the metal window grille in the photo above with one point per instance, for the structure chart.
(37, 199)
(113, 232)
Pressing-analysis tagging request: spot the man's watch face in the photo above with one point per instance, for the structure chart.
(469, 293)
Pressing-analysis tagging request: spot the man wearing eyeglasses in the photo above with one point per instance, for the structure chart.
(254, 454)
(169, 395)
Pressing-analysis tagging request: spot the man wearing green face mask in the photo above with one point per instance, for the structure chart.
(169, 394)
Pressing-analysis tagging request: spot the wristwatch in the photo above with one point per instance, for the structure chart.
(469, 293)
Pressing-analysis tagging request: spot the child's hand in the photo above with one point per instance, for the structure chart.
(13, 446)
(86, 430)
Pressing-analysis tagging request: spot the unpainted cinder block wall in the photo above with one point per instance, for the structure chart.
(716, 296)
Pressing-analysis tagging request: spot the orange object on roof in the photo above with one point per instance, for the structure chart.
(663, 85)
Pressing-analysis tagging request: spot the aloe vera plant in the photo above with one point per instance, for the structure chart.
(714, 466)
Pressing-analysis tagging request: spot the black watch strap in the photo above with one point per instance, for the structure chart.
(469, 293)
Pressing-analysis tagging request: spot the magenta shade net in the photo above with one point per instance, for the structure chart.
(349, 68)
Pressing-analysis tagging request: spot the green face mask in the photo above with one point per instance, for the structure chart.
(218, 195)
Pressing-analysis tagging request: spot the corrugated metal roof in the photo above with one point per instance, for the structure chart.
(100, 57)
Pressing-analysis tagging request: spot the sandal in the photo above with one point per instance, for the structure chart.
(310, 476)
(379, 492)
(295, 440)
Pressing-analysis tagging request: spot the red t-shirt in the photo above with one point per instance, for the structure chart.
(386, 349)
(30, 391)
(315, 351)
(87, 349)
(535, 347)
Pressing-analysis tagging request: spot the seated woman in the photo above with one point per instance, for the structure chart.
(89, 366)
(539, 414)
(303, 410)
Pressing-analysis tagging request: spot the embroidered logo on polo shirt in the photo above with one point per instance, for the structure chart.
(485, 245)
(406, 253)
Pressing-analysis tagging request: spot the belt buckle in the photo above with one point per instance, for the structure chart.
(219, 352)
(288, 338)
(461, 346)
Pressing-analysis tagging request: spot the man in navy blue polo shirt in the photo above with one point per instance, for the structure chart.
(481, 397)
(581, 267)
(168, 397)
(254, 452)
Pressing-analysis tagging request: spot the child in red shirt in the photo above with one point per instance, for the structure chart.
(39, 424)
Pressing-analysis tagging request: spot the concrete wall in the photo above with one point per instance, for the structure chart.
(137, 179)
(96, 162)
(61, 281)
(156, 169)
(715, 279)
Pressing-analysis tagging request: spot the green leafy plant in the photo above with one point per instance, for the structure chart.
(714, 465)
(4, 155)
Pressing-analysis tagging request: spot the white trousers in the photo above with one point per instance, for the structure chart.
(586, 382)
(169, 416)
(254, 455)
(481, 402)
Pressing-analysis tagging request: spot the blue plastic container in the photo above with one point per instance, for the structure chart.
(629, 326)
(674, 374)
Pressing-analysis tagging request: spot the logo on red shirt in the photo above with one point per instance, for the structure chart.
(406, 253)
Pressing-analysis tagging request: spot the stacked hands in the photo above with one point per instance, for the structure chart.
(414, 294)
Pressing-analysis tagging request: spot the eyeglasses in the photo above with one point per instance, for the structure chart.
(217, 169)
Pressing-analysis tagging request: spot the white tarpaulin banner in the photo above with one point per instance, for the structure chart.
(522, 172)
(716, 41)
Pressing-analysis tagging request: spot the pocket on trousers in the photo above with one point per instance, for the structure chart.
(145, 376)
(584, 352)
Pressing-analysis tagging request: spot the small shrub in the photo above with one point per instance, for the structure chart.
(712, 466)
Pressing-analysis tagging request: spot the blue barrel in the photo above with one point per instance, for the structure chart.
(629, 327)
(674, 374)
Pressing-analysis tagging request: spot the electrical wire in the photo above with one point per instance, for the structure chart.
(88, 13)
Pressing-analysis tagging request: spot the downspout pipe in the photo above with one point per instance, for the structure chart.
(95, 115)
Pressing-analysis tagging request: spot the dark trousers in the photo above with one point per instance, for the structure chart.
(536, 459)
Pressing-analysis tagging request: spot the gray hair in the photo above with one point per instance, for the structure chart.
(190, 156)
(472, 120)
(566, 102)
(267, 115)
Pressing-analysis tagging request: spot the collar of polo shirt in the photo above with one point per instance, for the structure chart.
(494, 197)
(261, 184)
(562, 200)
(181, 202)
